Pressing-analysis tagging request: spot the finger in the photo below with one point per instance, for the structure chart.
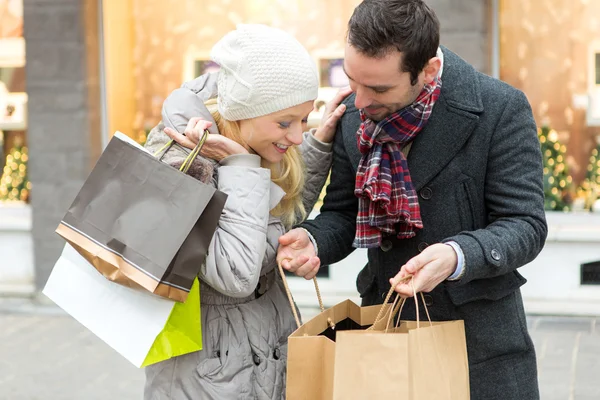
(202, 125)
(313, 273)
(191, 123)
(333, 118)
(290, 237)
(295, 264)
(419, 282)
(333, 104)
(285, 264)
(194, 128)
(416, 263)
(179, 138)
(401, 277)
(404, 290)
(307, 267)
(336, 115)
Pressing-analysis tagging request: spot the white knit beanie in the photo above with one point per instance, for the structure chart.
(263, 70)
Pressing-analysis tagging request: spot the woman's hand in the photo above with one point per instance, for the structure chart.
(331, 115)
(216, 147)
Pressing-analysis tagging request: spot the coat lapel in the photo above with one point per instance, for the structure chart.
(452, 121)
(436, 145)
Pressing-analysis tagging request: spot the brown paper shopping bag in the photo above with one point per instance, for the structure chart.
(365, 357)
(141, 222)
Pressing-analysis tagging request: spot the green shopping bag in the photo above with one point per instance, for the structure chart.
(182, 333)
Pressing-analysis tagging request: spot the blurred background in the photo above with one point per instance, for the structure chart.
(72, 72)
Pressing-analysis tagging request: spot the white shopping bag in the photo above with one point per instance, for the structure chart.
(141, 326)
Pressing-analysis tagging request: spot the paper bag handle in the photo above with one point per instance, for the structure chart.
(187, 163)
(291, 299)
(398, 304)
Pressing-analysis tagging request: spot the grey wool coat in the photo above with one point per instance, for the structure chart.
(246, 317)
(477, 169)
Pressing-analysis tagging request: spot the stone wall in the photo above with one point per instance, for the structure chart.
(64, 129)
(466, 28)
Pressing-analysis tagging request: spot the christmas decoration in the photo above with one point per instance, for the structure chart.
(14, 185)
(590, 188)
(557, 181)
(142, 136)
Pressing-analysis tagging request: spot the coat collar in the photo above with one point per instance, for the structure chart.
(460, 83)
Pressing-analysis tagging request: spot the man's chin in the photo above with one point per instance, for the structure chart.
(376, 116)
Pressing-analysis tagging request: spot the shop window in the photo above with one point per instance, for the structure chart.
(590, 273)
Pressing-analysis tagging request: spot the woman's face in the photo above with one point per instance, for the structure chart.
(271, 135)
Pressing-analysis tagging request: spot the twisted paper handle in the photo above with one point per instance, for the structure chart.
(397, 306)
(187, 163)
(291, 300)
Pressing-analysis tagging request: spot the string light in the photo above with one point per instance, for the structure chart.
(14, 185)
(557, 179)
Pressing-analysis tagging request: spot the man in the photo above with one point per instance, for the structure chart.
(437, 170)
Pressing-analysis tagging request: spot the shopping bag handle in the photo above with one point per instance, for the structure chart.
(291, 299)
(187, 163)
(398, 305)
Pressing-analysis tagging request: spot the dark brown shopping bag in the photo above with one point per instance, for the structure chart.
(367, 358)
(143, 223)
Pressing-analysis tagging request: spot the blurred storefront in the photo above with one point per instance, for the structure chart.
(16, 247)
(97, 66)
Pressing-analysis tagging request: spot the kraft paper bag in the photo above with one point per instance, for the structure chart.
(142, 327)
(414, 361)
(141, 222)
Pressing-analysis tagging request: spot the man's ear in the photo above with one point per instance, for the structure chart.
(432, 69)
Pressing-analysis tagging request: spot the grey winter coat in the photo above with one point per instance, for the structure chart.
(246, 317)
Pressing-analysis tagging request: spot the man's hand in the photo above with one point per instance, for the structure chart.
(331, 115)
(296, 254)
(430, 268)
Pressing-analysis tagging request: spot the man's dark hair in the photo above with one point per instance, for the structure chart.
(409, 26)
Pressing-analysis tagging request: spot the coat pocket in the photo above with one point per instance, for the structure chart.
(493, 314)
(227, 378)
(466, 197)
(486, 289)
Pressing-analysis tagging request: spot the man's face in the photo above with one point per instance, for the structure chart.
(381, 87)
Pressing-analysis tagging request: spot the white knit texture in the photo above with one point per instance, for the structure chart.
(263, 70)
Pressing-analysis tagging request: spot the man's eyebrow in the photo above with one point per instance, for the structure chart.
(344, 68)
(379, 88)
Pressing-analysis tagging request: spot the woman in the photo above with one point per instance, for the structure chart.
(265, 90)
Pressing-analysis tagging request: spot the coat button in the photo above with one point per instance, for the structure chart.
(277, 354)
(256, 359)
(386, 245)
(426, 193)
(422, 246)
(496, 255)
(428, 300)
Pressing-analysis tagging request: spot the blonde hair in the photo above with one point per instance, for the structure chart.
(287, 174)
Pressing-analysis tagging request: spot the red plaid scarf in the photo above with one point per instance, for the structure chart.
(387, 200)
